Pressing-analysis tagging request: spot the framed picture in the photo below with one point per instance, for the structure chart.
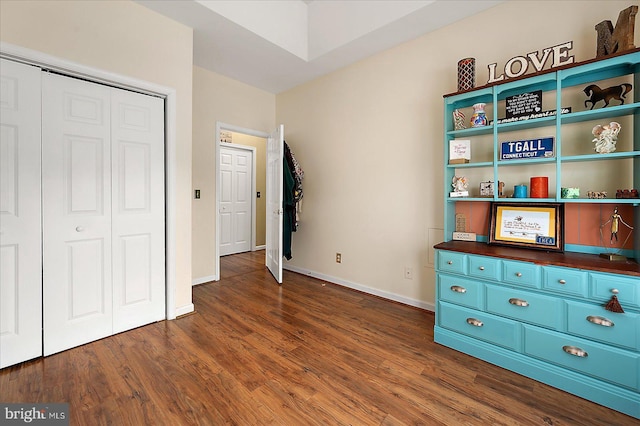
(487, 189)
(528, 225)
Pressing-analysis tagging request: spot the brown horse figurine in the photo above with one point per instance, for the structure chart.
(597, 94)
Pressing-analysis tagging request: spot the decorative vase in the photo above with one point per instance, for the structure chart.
(466, 74)
(478, 118)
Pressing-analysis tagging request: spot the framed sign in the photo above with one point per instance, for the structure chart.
(528, 225)
(523, 104)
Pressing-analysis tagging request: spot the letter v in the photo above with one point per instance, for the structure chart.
(533, 57)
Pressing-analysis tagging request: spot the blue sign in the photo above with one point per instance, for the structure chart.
(529, 148)
(547, 241)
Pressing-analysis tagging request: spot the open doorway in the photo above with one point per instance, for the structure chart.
(241, 225)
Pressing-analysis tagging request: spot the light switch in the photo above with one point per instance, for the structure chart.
(197, 194)
(258, 195)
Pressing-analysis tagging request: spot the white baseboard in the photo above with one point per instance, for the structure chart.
(263, 247)
(186, 309)
(363, 288)
(203, 280)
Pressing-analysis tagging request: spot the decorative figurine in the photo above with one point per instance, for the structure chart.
(615, 220)
(460, 183)
(606, 137)
(597, 94)
(458, 120)
(478, 118)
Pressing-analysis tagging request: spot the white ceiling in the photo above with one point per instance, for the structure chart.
(277, 45)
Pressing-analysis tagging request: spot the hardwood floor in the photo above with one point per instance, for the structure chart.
(305, 353)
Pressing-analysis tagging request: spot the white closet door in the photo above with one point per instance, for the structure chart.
(137, 135)
(20, 229)
(76, 200)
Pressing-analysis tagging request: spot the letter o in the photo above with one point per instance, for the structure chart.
(524, 65)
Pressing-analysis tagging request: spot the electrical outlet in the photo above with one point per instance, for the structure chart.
(408, 273)
(338, 257)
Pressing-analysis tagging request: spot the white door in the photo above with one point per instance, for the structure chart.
(236, 167)
(20, 229)
(275, 157)
(103, 211)
(138, 240)
(76, 202)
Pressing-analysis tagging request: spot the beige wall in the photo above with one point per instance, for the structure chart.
(218, 99)
(369, 138)
(124, 38)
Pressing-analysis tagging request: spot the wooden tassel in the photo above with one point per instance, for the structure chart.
(613, 305)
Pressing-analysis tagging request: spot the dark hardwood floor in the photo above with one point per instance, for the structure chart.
(304, 353)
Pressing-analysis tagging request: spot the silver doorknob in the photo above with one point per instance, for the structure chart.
(79, 229)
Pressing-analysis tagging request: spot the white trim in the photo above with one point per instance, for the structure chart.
(363, 288)
(202, 280)
(186, 309)
(43, 60)
(262, 247)
(230, 127)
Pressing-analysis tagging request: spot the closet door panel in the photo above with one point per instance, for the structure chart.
(20, 220)
(76, 200)
(137, 129)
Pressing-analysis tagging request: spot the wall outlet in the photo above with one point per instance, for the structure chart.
(338, 257)
(408, 273)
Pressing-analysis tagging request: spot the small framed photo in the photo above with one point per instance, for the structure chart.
(488, 189)
(528, 225)
(459, 151)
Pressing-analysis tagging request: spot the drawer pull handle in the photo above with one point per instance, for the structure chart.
(481, 268)
(562, 281)
(458, 289)
(518, 274)
(518, 302)
(474, 322)
(600, 321)
(450, 262)
(575, 351)
(615, 291)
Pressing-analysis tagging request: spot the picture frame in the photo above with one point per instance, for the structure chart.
(537, 226)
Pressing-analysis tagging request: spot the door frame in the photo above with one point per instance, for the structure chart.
(252, 150)
(73, 69)
(220, 126)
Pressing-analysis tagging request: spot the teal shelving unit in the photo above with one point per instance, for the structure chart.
(555, 86)
(542, 314)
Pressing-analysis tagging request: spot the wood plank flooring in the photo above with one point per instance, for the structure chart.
(304, 353)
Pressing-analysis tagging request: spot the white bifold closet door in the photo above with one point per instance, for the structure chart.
(20, 229)
(103, 211)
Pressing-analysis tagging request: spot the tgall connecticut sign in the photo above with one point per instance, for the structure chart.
(529, 148)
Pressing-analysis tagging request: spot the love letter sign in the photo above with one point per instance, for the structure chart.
(515, 67)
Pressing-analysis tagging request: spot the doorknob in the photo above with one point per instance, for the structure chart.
(79, 229)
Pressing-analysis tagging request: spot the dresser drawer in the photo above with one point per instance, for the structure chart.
(628, 288)
(452, 262)
(485, 267)
(500, 331)
(565, 281)
(521, 273)
(597, 360)
(525, 306)
(461, 291)
(596, 323)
